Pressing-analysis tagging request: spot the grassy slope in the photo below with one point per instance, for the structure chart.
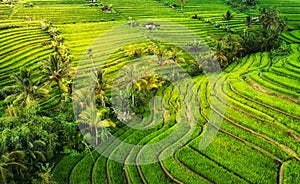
(262, 109)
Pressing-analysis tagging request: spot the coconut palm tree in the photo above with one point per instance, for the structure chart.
(150, 82)
(52, 31)
(228, 16)
(26, 89)
(129, 80)
(101, 85)
(96, 122)
(248, 21)
(268, 16)
(135, 51)
(57, 71)
(175, 55)
(161, 53)
(10, 160)
(82, 98)
(219, 55)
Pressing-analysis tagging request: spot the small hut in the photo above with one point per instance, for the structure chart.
(151, 26)
(255, 19)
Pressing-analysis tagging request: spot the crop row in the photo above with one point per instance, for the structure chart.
(52, 11)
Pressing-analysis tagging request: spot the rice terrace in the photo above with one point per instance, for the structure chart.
(149, 91)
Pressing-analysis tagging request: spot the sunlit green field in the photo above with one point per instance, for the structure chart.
(257, 97)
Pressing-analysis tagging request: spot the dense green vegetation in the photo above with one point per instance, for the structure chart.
(252, 69)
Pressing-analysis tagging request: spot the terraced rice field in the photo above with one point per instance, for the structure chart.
(259, 138)
(74, 11)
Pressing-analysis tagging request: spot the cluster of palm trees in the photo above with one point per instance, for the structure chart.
(57, 41)
(55, 70)
(242, 5)
(266, 37)
(94, 121)
(253, 39)
(27, 142)
(139, 87)
(162, 53)
(94, 118)
(29, 149)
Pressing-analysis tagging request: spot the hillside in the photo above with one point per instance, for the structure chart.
(240, 124)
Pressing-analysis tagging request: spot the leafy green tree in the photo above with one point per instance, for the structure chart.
(150, 82)
(135, 51)
(175, 55)
(39, 138)
(231, 48)
(101, 85)
(267, 37)
(219, 55)
(248, 21)
(26, 88)
(129, 81)
(57, 71)
(161, 52)
(96, 123)
(269, 16)
(228, 16)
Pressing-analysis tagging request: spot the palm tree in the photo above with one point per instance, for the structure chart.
(52, 31)
(83, 98)
(228, 16)
(219, 55)
(96, 122)
(175, 55)
(9, 160)
(268, 16)
(231, 47)
(129, 81)
(57, 71)
(135, 51)
(150, 82)
(161, 52)
(59, 47)
(101, 84)
(248, 21)
(26, 88)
